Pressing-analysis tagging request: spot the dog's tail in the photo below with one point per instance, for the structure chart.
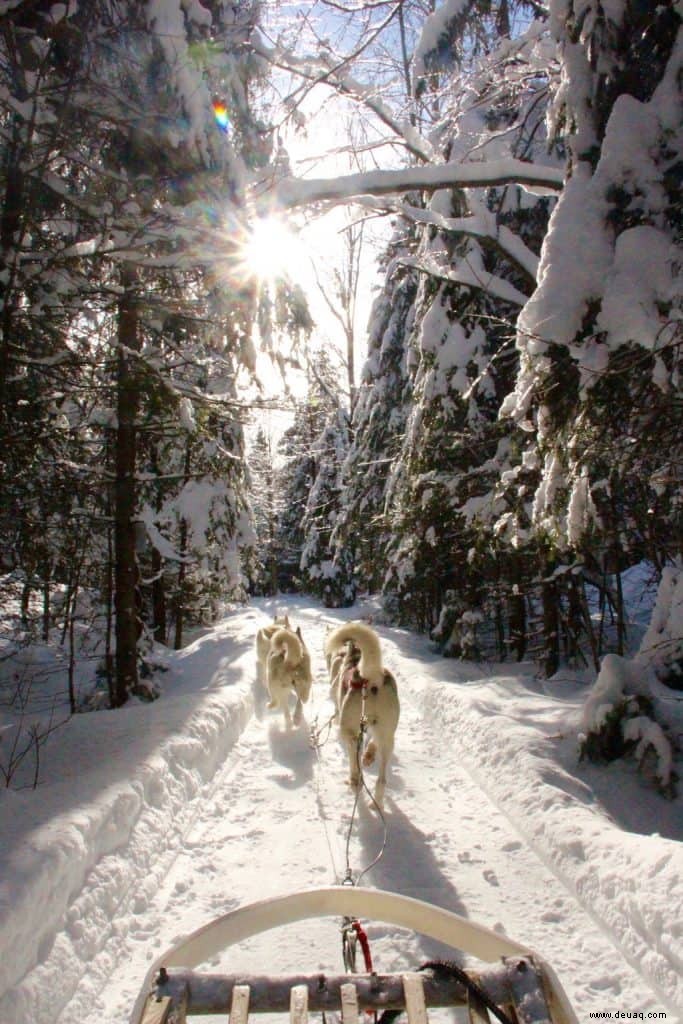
(287, 644)
(367, 641)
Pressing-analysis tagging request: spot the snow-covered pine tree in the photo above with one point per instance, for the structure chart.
(599, 340)
(379, 417)
(477, 258)
(299, 466)
(114, 166)
(266, 509)
(327, 572)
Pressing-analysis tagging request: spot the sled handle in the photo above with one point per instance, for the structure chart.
(351, 901)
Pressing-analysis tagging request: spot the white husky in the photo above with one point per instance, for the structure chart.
(287, 670)
(263, 638)
(361, 684)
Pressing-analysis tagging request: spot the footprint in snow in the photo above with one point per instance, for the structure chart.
(490, 877)
(551, 917)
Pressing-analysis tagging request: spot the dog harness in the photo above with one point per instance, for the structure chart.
(353, 680)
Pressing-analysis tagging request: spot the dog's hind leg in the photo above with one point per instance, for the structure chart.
(350, 739)
(278, 701)
(385, 750)
(370, 754)
(284, 704)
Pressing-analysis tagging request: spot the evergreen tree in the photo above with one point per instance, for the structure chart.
(476, 260)
(112, 272)
(300, 464)
(600, 360)
(327, 573)
(379, 418)
(266, 509)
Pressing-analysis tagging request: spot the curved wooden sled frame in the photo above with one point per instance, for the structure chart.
(351, 901)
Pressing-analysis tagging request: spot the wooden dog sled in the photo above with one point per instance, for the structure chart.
(509, 983)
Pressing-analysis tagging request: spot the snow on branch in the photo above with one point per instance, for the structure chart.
(467, 274)
(292, 192)
(323, 70)
(479, 226)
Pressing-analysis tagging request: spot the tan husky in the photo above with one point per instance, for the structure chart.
(359, 682)
(286, 664)
(263, 638)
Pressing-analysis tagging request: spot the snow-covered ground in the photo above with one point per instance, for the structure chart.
(156, 818)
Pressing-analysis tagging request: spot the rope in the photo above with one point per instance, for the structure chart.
(361, 776)
(352, 930)
(315, 733)
(318, 790)
(450, 968)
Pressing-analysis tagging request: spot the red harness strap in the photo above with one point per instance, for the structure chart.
(364, 945)
(352, 680)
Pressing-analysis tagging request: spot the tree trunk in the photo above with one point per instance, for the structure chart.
(158, 598)
(621, 608)
(109, 595)
(125, 568)
(158, 580)
(180, 595)
(551, 624)
(517, 618)
(46, 605)
(10, 224)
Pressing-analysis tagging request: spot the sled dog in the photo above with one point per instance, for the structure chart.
(288, 671)
(263, 638)
(358, 678)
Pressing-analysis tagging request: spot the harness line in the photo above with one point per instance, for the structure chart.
(321, 806)
(361, 775)
(352, 931)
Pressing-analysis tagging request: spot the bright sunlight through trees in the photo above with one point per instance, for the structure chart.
(271, 251)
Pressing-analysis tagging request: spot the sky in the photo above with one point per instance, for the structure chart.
(316, 142)
(154, 819)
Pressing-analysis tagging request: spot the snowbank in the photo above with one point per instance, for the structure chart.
(517, 749)
(123, 788)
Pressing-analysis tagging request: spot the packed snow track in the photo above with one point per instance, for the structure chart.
(270, 816)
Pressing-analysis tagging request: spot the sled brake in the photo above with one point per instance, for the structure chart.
(508, 984)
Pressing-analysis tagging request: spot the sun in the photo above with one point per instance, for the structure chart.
(270, 250)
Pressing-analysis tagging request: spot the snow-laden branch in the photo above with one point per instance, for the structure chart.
(465, 274)
(292, 192)
(323, 70)
(483, 226)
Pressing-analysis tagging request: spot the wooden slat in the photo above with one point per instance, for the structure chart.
(349, 1004)
(156, 1010)
(239, 1008)
(212, 993)
(476, 1010)
(298, 1005)
(415, 999)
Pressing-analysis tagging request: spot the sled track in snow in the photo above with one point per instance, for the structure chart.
(256, 829)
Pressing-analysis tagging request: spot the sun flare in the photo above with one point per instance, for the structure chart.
(270, 250)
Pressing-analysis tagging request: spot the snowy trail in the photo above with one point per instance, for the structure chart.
(265, 828)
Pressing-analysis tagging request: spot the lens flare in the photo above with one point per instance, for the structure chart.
(220, 112)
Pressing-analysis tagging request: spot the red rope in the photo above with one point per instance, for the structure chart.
(364, 945)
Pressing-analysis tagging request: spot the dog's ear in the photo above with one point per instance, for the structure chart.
(287, 622)
(298, 632)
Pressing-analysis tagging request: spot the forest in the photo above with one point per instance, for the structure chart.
(510, 441)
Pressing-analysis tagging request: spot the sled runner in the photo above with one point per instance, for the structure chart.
(509, 982)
